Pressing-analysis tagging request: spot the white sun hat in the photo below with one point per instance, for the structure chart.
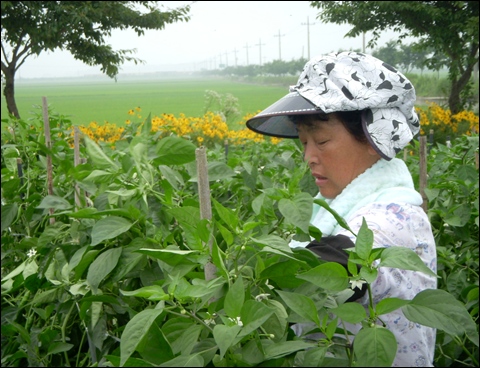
(348, 81)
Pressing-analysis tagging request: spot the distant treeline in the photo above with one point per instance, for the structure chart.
(404, 57)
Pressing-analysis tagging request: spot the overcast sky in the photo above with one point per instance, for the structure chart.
(219, 32)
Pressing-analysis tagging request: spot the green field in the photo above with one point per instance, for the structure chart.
(103, 100)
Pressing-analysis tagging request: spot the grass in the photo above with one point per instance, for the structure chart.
(103, 100)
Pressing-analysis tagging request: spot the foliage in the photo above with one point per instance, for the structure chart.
(209, 130)
(453, 39)
(28, 28)
(453, 203)
(226, 105)
(404, 57)
(276, 67)
(445, 125)
(116, 259)
(429, 85)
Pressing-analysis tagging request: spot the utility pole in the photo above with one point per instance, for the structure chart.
(279, 45)
(308, 24)
(235, 53)
(247, 47)
(226, 58)
(260, 44)
(363, 45)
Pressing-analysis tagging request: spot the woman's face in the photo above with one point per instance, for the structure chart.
(334, 156)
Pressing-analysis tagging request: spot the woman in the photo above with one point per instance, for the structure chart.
(353, 114)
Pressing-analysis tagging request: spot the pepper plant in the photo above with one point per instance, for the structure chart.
(118, 277)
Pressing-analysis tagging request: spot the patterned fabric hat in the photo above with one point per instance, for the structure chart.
(348, 81)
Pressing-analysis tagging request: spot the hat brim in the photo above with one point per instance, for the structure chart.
(275, 121)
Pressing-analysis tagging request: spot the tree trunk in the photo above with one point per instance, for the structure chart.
(457, 102)
(9, 91)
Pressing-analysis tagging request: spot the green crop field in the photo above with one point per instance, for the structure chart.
(103, 100)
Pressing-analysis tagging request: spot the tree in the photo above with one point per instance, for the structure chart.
(30, 27)
(402, 56)
(389, 53)
(448, 28)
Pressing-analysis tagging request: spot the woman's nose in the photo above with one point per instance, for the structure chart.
(309, 157)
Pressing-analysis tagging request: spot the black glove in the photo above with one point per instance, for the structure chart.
(331, 249)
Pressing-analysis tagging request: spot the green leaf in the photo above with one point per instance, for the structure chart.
(187, 339)
(147, 125)
(135, 331)
(350, 312)
(157, 353)
(224, 336)
(235, 298)
(55, 202)
(253, 315)
(364, 241)
(189, 218)
(217, 257)
(174, 151)
(131, 362)
(340, 220)
(219, 171)
(9, 213)
(195, 360)
(85, 213)
(388, 305)
(229, 217)
(328, 276)
(460, 216)
(375, 347)
(439, 309)
(152, 292)
(102, 266)
(108, 228)
(17, 271)
(170, 256)
(283, 274)
(297, 211)
(302, 305)
(405, 259)
(100, 176)
(226, 234)
(284, 348)
(48, 235)
(98, 157)
(59, 347)
(314, 357)
(273, 241)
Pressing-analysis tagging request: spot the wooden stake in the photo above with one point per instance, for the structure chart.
(48, 144)
(423, 171)
(205, 203)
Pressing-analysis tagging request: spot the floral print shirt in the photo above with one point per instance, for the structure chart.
(401, 225)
